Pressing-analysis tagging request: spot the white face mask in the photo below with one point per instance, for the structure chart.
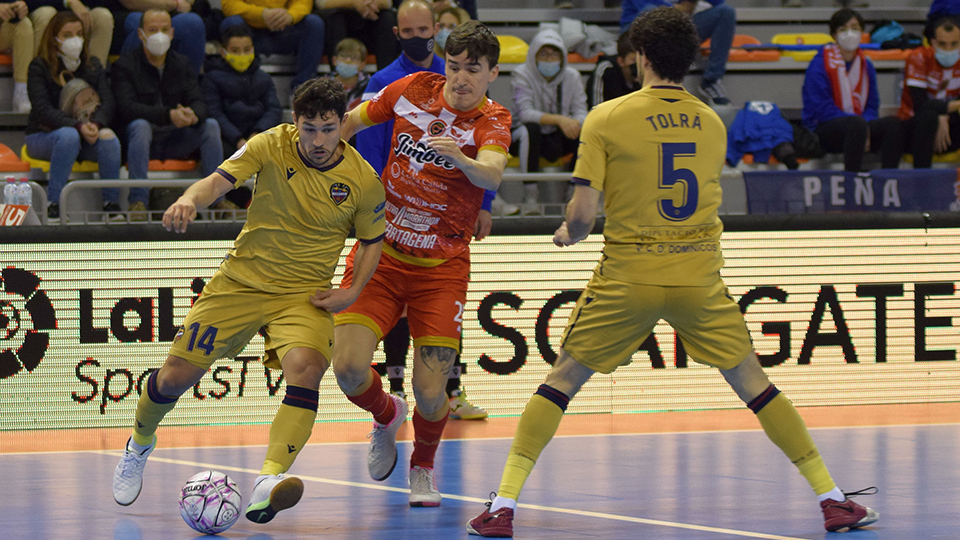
(158, 44)
(72, 47)
(849, 40)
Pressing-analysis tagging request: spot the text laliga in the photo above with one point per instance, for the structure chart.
(826, 299)
(115, 385)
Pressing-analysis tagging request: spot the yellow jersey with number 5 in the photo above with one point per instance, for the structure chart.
(656, 154)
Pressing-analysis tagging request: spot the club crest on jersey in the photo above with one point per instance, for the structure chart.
(436, 128)
(179, 335)
(339, 192)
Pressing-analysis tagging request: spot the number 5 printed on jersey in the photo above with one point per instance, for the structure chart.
(671, 177)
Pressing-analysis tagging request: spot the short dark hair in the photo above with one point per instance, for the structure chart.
(475, 38)
(318, 97)
(624, 47)
(237, 30)
(668, 39)
(842, 17)
(143, 16)
(947, 22)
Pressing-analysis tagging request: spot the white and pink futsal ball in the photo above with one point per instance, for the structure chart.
(210, 502)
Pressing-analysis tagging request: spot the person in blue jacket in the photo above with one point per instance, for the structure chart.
(240, 96)
(718, 24)
(841, 103)
(416, 29)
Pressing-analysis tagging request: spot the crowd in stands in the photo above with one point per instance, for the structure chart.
(169, 94)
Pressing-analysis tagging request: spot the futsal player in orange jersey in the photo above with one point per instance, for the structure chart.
(449, 144)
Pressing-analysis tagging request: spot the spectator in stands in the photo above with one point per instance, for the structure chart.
(448, 19)
(469, 6)
(840, 99)
(370, 21)
(240, 96)
(97, 23)
(614, 76)
(72, 107)
(551, 102)
(718, 24)
(929, 105)
(17, 34)
(160, 108)
(415, 30)
(349, 60)
(188, 37)
(281, 27)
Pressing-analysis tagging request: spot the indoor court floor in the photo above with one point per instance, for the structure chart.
(707, 475)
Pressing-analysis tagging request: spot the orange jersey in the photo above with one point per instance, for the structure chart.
(431, 205)
(923, 71)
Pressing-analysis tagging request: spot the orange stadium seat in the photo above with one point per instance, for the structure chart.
(172, 165)
(9, 162)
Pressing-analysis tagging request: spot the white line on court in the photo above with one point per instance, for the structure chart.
(600, 515)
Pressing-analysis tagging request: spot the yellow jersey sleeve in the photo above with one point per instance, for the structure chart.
(369, 221)
(248, 160)
(591, 167)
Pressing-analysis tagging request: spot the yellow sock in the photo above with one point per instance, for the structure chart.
(782, 423)
(291, 429)
(538, 424)
(151, 408)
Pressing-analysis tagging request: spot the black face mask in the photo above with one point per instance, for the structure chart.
(633, 71)
(417, 48)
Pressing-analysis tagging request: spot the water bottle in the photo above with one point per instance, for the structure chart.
(10, 191)
(24, 193)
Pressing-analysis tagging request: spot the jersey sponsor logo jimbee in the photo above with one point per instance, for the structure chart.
(339, 192)
(419, 152)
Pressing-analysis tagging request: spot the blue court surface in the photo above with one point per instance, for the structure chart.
(699, 485)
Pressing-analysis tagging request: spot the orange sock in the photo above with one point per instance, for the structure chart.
(426, 439)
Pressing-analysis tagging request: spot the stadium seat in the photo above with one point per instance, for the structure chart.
(178, 165)
(744, 55)
(576, 58)
(949, 157)
(78, 167)
(747, 159)
(9, 162)
(6, 60)
(513, 50)
(809, 38)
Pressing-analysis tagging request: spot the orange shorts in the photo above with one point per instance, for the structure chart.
(434, 297)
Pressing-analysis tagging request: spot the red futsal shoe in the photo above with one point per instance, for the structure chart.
(840, 516)
(497, 524)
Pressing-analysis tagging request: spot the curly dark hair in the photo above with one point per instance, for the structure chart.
(475, 38)
(318, 97)
(667, 38)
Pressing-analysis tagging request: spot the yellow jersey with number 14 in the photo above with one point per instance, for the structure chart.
(656, 154)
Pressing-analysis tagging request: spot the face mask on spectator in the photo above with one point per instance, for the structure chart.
(70, 50)
(346, 70)
(849, 40)
(417, 48)
(549, 69)
(947, 58)
(158, 44)
(442, 36)
(72, 47)
(239, 62)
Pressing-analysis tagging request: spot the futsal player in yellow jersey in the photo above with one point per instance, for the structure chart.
(311, 189)
(656, 156)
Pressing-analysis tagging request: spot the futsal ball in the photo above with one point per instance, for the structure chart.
(210, 502)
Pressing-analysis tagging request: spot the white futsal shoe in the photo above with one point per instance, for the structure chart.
(272, 494)
(423, 487)
(128, 476)
(382, 456)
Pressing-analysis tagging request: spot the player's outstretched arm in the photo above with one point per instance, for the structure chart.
(364, 265)
(353, 123)
(580, 216)
(200, 195)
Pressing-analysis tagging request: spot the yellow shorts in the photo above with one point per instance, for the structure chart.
(228, 314)
(612, 318)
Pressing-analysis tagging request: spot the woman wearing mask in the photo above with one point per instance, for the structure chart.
(448, 19)
(841, 103)
(67, 124)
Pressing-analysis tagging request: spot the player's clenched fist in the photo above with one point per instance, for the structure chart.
(179, 215)
(333, 300)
